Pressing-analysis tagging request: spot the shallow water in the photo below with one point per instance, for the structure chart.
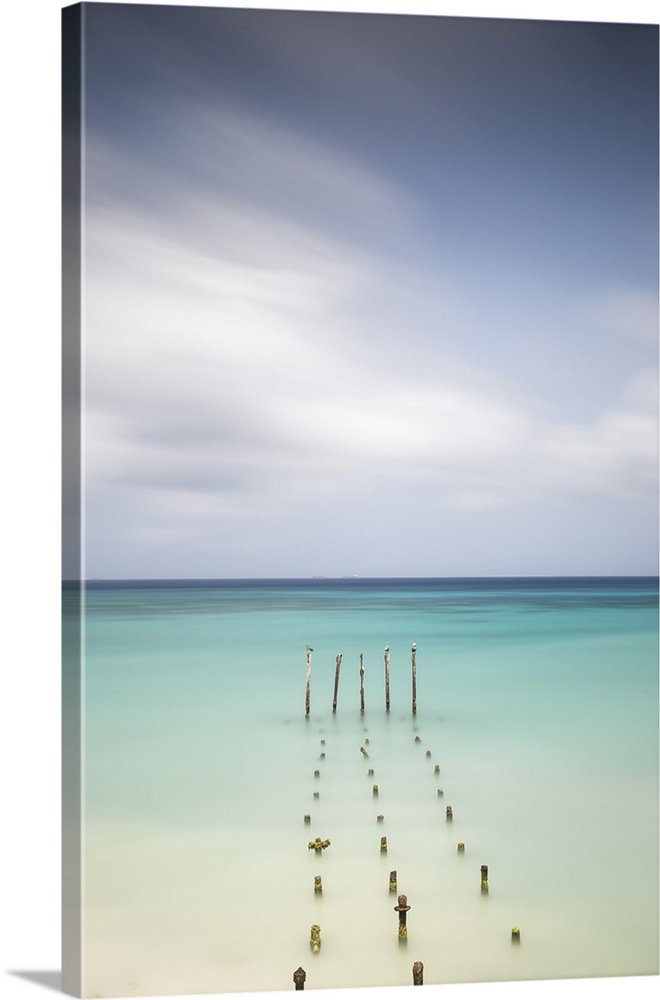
(537, 699)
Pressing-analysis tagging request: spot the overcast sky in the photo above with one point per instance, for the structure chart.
(369, 294)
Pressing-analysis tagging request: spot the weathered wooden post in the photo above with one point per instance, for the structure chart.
(318, 884)
(299, 978)
(309, 675)
(418, 973)
(484, 878)
(393, 881)
(318, 845)
(383, 845)
(461, 847)
(334, 697)
(450, 814)
(414, 678)
(315, 937)
(361, 684)
(402, 910)
(387, 678)
(515, 935)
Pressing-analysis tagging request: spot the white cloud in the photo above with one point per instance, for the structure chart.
(241, 361)
(627, 313)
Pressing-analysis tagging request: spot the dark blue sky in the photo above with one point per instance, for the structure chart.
(369, 293)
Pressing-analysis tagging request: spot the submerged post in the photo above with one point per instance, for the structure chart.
(299, 978)
(334, 697)
(309, 674)
(484, 878)
(418, 973)
(402, 910)
(414, 678)
(387, 678)
(361, 684)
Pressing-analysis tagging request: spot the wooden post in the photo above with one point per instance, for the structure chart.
(418, 973)
(361, 685)
(383, 845)
(315, 938)
(318, 885)
(461, 847)
(334, 697)
(309, 675)
(402, 910)
(318, 845)
(515, 935)
(414, 678)
(393, 881)
(387, 678)
(450, 814)
(299, 978)
(484, 878)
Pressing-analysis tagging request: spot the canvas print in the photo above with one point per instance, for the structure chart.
(360, 520)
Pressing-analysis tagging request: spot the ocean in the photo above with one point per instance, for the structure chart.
(536, 722)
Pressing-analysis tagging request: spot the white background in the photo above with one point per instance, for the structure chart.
(29, 496)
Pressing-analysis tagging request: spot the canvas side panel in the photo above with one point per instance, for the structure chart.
(71, 501)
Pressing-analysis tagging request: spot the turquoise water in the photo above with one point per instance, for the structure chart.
(537, 699)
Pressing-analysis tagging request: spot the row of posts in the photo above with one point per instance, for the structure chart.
(300, 976)
(335, 692)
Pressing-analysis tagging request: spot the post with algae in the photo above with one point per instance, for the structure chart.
(334, 696)
(402, 910)
(309, 675)
(387, 678)
(414, 678)
(361, 684)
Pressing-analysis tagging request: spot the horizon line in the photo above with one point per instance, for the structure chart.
(354, 576)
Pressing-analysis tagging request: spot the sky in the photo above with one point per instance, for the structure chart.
(368, 294)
